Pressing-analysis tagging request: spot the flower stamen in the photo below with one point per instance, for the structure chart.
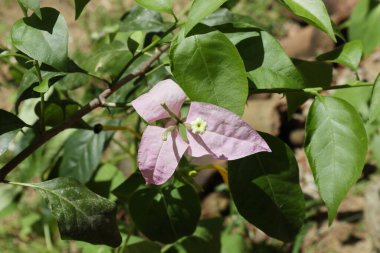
(198, 126)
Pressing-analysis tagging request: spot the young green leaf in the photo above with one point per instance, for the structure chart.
(209, 69)
(141, 19)
(348, 55)
(199, 10)
(34, 5)
(45, 40)
(374, 110)
(81, 214)
(312, 11)
(157, 5)
(336, 147)
(10, 122)
(265, 188)
(43, 87)
(79, 6)
(165, 214)
(82, 153)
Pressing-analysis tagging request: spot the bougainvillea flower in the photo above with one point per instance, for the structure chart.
(210, 130)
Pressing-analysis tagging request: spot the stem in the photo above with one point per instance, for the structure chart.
(92, 105)
(48, 241)
(171, 113)
(142, 52)
(42, 96)
(311, 90)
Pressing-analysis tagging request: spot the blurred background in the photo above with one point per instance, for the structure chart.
(23, 218)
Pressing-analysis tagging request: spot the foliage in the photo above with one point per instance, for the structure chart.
(76, 116)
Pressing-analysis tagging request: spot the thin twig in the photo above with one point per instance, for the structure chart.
(93, 104)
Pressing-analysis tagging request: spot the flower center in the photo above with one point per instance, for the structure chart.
(198, 126)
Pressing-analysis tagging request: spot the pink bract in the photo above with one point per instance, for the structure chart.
(148, 106)
(227, 136)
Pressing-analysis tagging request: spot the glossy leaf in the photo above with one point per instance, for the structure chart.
(206, 66)
(10, 122)
(79, 6)
(34, 5)
(374, 110)
(81, 214)
(358, 97)
(336, 146)
(348, 55)
(266, 191)
(199, 10)
(45, 40)
(82, 153)
(166, 214)
(157, 5)
(312, 11)
(363, 24)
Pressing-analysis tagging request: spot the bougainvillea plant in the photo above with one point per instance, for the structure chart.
(160, 88)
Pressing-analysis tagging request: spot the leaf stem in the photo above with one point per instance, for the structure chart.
(171, 113)
(312, 90)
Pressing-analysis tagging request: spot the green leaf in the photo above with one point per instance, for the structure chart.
(5, 139)
(157, 5)
(364, 23)
(234, 238)
(108, 60)
(125, 190)
(165, 214)
(199, 10)
(79, 6)
(81, 214)
(139, 245)
(45, 40)
(141, 19)
(336, 146)
(10, 122)
(82, 153)
(56, 111)
(375, 148)
(313, 12)
(348, 55)
(358, 97)
(209, 69)
(206, 239)
(315, 74)
(30, 81)
(43, 87)
(34, 5)
(265, 188)
(374, 109)
(267, 64)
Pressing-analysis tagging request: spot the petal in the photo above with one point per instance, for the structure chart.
(148, 106)
(157, 159)
(227, 136)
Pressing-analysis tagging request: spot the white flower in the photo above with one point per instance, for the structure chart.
(198, 126)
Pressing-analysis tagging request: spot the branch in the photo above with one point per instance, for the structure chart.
(92, 105)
